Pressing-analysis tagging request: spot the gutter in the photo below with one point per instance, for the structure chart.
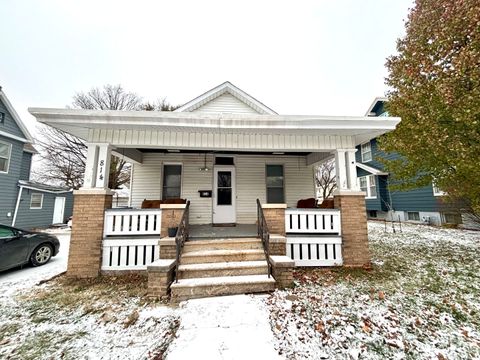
(17, 205)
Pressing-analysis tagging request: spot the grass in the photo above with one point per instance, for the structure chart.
(422, 289)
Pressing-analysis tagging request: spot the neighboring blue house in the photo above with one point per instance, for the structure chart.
(418, 205)
(24, 203)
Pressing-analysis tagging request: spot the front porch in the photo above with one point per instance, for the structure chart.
(226, 167)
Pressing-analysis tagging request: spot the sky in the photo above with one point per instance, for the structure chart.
(319, 57)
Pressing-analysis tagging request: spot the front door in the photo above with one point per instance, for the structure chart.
(224, 211)
(59, 210)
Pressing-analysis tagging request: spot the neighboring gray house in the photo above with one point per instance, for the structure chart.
(24, 203)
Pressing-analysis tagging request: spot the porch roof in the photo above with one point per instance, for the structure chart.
(83, 123)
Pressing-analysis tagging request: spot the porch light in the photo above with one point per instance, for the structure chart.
(204, 168)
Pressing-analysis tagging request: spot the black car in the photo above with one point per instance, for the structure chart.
(19, 247)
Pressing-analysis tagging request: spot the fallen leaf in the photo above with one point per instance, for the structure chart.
(381, 295)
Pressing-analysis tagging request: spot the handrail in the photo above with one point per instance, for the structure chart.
(264, 234)
(181, 237)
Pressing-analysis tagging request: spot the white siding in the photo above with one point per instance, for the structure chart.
(226, 103)
(250, 172)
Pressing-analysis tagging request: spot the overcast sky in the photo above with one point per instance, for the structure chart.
(319, 57)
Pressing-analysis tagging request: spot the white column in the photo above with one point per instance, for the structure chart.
(341, 170)
(351, 164)
(103, 165)
(90, 176)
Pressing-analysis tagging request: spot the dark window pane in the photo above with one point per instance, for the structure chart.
(224, 197)
(275, 195)
(172, 180)
(224, 179)
(219, 160)
(274, 170)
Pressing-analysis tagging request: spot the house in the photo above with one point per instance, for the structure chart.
(25, 203)
(423, 204)
(218, 181)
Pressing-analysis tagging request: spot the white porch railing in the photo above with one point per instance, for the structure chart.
(312, 221)
(125, 222)
(314, 237)
(315, 251)
(129, 254)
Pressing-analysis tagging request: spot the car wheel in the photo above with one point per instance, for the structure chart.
(41, 255)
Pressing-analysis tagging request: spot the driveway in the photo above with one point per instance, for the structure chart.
(22, 278)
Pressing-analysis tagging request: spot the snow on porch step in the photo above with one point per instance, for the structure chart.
(223, 244)
(216, 256)
(216, 286)
(223, 269)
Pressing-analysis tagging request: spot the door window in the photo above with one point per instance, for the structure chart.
(224, 188)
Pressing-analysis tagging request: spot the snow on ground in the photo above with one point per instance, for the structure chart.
(26, 277)
(84, 321)
(229, 327)
(420, 300)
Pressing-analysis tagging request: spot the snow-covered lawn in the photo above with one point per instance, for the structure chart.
(421, 300)
(108, 318)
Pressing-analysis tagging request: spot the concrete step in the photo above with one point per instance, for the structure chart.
(222, 244)
(217, 256)
(221, 269)
(217, 286)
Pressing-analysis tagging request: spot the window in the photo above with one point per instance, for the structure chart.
(222, 160)
(2, 117)
(450, 218)
(372, 213)
(36, 201)
(275, 184)
(6, 232)
(413, 216)
(437, 191)
(366, 152)
(5, 150)
(172, 181)
(369, 186)
(224, 188)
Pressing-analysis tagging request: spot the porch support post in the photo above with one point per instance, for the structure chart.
(351, 165)
(85, 254)
(354, 230)
(340, 170)
(275, 217)
(90, 176)
(171, 217)
(103, 166)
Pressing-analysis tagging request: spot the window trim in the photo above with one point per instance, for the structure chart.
(362, 152)
(41, 201)
(163, 176)
(267, 187)
(436, 190)
(368, 192)
(9, 157)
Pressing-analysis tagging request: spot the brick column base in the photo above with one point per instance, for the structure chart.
(85, 254)
(160, 276)
(171, 217)
(354, 228)
(275, 217)
(168, 248)
(282, 271)
(278, 245)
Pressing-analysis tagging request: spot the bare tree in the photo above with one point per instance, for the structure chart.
(325, 179)
(64, 155)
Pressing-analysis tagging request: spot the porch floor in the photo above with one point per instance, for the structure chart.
(207, 231)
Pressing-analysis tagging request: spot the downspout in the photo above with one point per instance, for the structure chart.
(17, 205)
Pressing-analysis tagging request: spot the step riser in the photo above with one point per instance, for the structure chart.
(181, 294)
(194, 274)
(185, 260)
(224, 246)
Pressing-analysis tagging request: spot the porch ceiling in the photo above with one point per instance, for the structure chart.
(84, 123)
